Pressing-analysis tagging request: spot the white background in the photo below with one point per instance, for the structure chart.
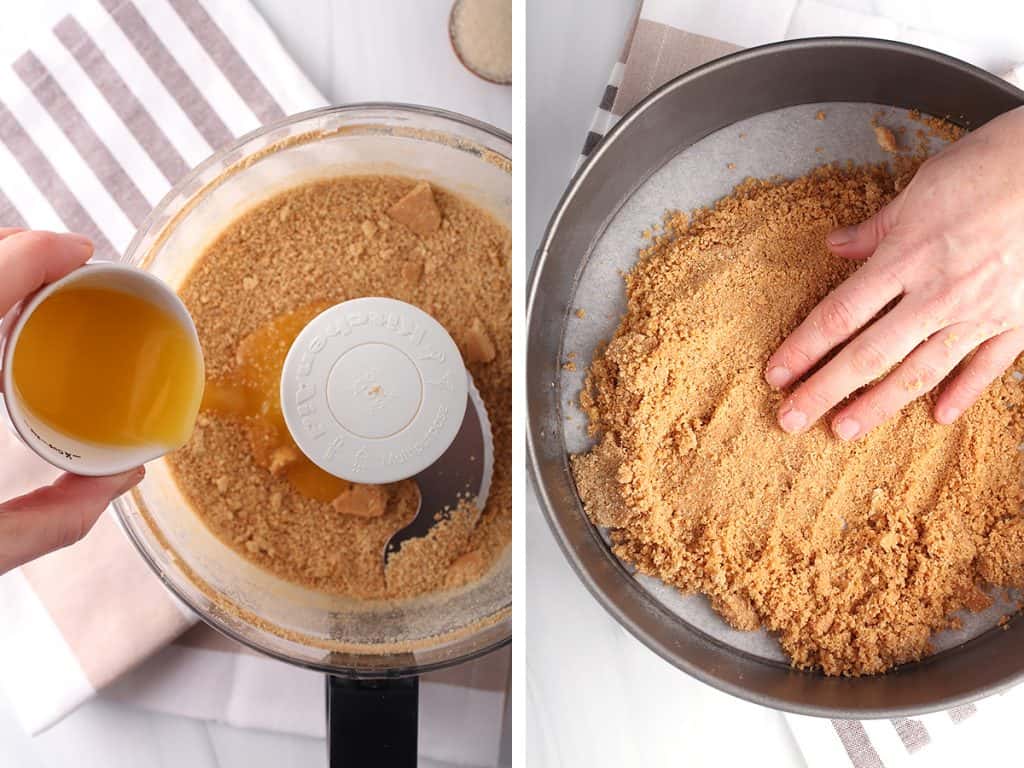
(352, 50)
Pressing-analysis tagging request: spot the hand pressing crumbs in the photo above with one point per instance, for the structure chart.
(852, 554)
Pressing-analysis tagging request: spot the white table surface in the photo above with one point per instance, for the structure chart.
(596, 696)
(352, 50)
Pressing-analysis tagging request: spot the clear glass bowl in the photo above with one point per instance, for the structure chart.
(283, 619)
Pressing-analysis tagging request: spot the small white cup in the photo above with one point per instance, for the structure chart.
(59, 449)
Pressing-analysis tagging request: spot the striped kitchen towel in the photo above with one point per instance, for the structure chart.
(668, 38)
(970, 733)
(101, 115)
(98, 118)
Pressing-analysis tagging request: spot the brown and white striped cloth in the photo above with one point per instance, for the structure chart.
(668, 38)
(99, 116)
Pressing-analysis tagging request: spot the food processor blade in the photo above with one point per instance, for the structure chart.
(375, 391)
(463, 472)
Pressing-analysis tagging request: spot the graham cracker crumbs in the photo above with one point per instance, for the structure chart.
(886, 138)
(646, 234)
(361, 501)
(819, 150)
(937, 127)
(418, 211)
(412, 272)
(852, 554)
(569, 365)
(581, 313)
(819, 115)
(303, 262)
(283, 457)
(478, 345)
(462, 568)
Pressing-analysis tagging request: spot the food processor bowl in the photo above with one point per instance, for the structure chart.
(360, 640)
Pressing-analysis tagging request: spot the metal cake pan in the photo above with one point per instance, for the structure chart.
(674, 117)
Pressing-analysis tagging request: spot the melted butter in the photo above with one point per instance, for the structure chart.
(252, 393)
(109, 368)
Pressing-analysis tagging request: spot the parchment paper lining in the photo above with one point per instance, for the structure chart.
(782, 142)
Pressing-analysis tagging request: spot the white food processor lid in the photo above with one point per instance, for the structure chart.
(373, 390)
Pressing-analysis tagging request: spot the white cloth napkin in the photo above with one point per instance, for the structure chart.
(669, 38)
(98, 118)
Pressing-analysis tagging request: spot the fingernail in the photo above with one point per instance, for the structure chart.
(792, 420)
(846, 428)
(777, 376)
(842, 236)
(947, 414)
(77, 239)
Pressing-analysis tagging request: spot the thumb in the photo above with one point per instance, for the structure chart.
(859, 241)
(57, 515)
